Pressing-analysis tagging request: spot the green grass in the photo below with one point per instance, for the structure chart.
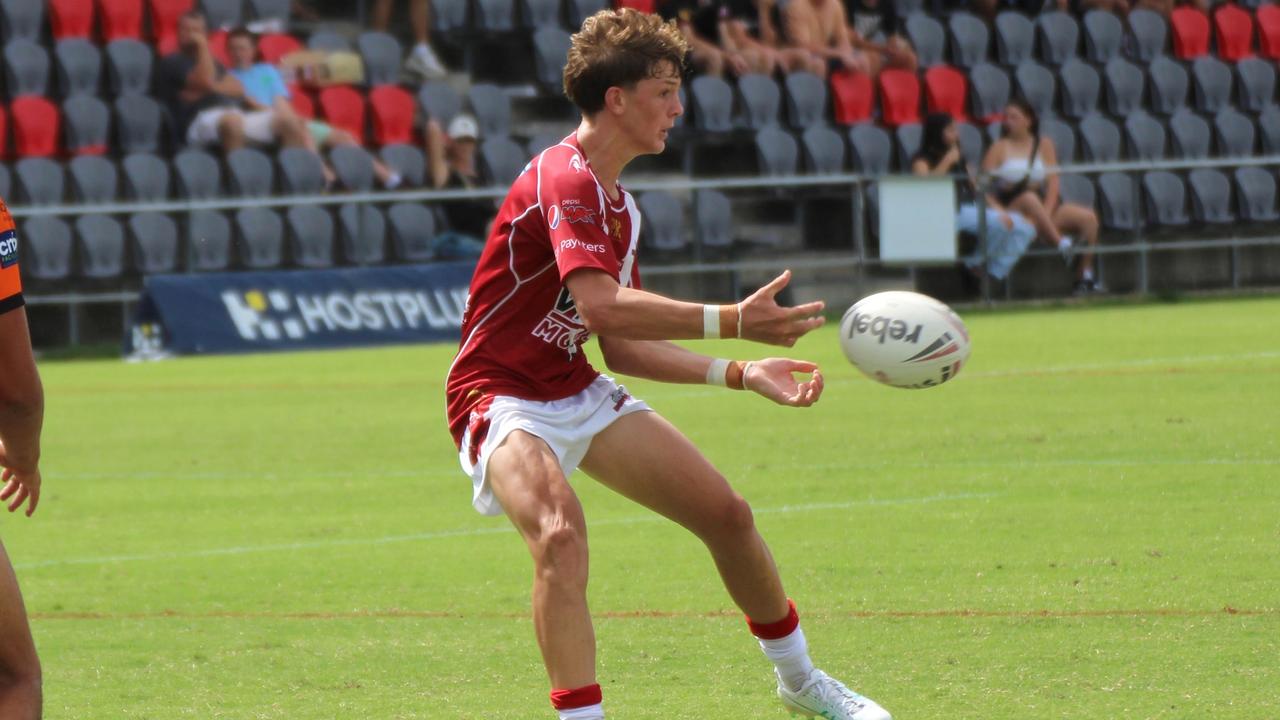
(1085, 524)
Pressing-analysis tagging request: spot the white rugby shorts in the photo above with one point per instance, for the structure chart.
(204, 128)
(567, 426)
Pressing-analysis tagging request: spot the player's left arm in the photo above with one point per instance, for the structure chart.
(663, 361)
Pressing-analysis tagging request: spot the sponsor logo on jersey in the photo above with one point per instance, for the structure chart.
(8, 249)
(572, 243)
(575, 163)
(574, 211)
(562, 327)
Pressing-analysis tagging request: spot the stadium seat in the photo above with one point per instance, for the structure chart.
(970, 39)
(871, 149)
(1191, 135)
(664, 221)
(852, 98)
(1269, 31)
(222, 14)
(450, 16)
(1256, 80)
(761, 100)
(1063, 136)
(542, 141)
(1269, 129)
(550, 53)
(1256, 192)
(777, 152)
(807, 98)
(972, 145)
(119, 19)
(363, 233)
(1210, 197)
(823, 150)
(1234, 134)
(154, 239)
(129, 65)
(259, 238)
(274, 46)
(1169, 85)
(412, 228)
(1149, 34)
(301, 171)
(1015, 38)
(439, 101)
(218, 47)
(354, 167)
(310, 236)
(94, 179)
(21, 19)
(140, 124)
(37, 126)
(989, 88)
(39, 181)
(1212, 81)
(26, 68)
(327, 40)
(1125, 86)
(164, 16)
(1099, 139)
(408, 161)
(1233, 29)
(391, 112)
(899, 97)
(928, 38)
(1080, 88)
(302, 102)
(714, 217)
(382, 56)
(494, 16)
(50, 258)
(711, 100)
(1103, 36)
(1116, 202)
(146, 177)
(198, 175)
(1165, 198)
(6, 182)
(79, 67)
(250, 173)
(1144, 136)
(540, 13)
(579, 10)
(88, 125)
(1059, 36)
(1077, 189)
(501, 160)
(492, 108)
(946, 90)
(100, 241)
(1037, 86)
(1190, 32)
(344, 107)
(907, 138)
(274, 12)
(208, 234)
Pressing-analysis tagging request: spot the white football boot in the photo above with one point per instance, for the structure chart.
(825, 697)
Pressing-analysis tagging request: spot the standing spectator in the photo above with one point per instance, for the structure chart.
(208, 104)
(422, 59)
(451, 159)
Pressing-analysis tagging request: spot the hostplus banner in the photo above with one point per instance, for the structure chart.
(300, 309)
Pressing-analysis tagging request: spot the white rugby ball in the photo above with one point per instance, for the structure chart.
(904, 339)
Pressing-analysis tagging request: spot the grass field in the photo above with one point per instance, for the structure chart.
(1085, 524)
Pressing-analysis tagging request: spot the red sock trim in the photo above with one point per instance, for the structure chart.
(776, 630)
(576, 698)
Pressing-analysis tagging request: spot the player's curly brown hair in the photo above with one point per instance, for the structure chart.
(619, 48)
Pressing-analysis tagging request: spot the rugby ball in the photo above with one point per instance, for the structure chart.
(904, 339)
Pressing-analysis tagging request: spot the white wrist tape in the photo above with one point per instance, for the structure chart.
(717, 372)
(711, 321)
(739, 319)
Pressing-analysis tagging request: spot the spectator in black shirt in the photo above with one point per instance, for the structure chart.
(452, 162)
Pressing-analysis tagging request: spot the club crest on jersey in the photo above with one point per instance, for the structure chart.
(563, 326)
(615, 228)
(575, 163)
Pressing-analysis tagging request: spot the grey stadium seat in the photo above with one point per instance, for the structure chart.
(492, 108)
(413, 228)
(907, 138)
(1063, 136)
(408, 161)
(1037, 86)
(1212, 80)
(579, 10)
(260, 238)
(806, 99)
(198, 175)
(502, 160)
(146, 177)
(1234, 134)
(21, 19)
(1269, 129)
(972, 145)
(761, 100)
(139, 124)
(154, 242)
(989, 88)
(129, 67)
(26, 68)
(1080, 88)
(823, 150)
(776, 152)
(495, 16)
(270, 10)
(928, 38)
(1166, 198)
(86, 124)
(1015, 38)
(550, 52)
(1125, 86)
(49, 257)
(1099, 139)
(6, 181)
(712, 103)
(1192, 138)
(1210, 197)
(363, 233)
(1169, 84)
(250, 174)
(301, 171)
(382, 56)
(208, 241)
(310, 236)
(541, 13)
(1077, 189)
(1118, 208)
(1256, 80)
(1144, 136)
(354, 167)
(222, 13)
(871, 149)
(1149, 34)
(440, 102)
(450, 15)
(79, 67)
(40, 181)
(94, 179)
(1059, 36)
(542, 141)
(1103, 36)
(714, 217)
(970, 39)
(101, 246)
(327, 40)
(663, 221)
(1256, 190)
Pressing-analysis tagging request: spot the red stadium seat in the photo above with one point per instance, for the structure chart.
(37, 125)
(343, 108)
(1269, 31)
(70, 18)
(1234, 30)
(1190, 32)
(274, 46)
(218, 47)
(644, 6)
(852, 97)
(392, 110)
(302, 102)
(946, 90)
(164, 23)
(120, 19)
(899, 97)
(4, 133)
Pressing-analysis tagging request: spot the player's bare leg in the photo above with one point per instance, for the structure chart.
(20, 690)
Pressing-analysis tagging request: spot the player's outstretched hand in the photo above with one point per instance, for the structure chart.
(775, 379)
(21, 485)
(763, 320)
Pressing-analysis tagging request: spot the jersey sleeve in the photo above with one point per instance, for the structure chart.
(572, 208)
(10, 280)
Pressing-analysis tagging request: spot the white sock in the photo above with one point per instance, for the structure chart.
(790, 655)
(1064, 242)
(393, 181)
(590, 712)
(1087, 275)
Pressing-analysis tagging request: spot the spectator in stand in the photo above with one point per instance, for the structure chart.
(451, 162)
(208, 104)
(422, 59)
(821, 27)
(749, 27)
(873, 27)
(698, 21)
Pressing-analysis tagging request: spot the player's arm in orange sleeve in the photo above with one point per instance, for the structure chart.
(21, 413)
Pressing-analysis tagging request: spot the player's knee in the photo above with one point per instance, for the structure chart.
(562, 553)
(22, 679)
(733, 518)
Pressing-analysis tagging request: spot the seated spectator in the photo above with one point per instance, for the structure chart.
(422, 59)
(873, 27)
(1019, 163)
(264, 89)
(747, 27)
(1008, 234)
(451, 163)
(821, 28)
(208, 104)
(698, 23)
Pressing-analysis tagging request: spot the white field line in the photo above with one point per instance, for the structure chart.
(472, 532)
